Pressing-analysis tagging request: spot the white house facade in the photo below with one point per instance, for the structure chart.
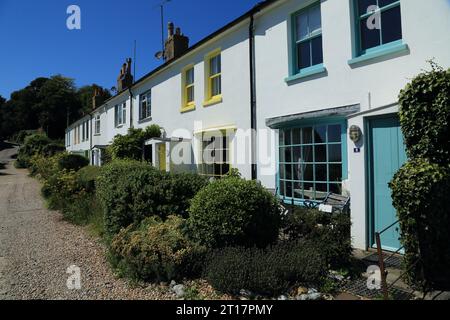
(317, 81)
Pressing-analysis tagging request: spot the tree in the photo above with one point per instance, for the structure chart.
(58, 105)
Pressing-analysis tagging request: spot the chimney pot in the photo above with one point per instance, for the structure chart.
(178, 31)
(171, 28)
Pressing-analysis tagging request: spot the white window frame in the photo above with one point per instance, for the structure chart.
(146, 98)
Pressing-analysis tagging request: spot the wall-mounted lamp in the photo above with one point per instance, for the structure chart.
(355, 134)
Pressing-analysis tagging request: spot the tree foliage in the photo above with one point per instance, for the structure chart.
(48, 104)
(131, 145)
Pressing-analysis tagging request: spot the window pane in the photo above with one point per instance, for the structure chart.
(320, 153)
(336, 188)
(215, 65)
(288, 171)
(308, 173)
(321, 191)
(334, 153)
(304, 54)
(302, 26)
(383, 3)
(297, 154)
(317, 53)
(216, 87)
(288, 154)
(309, 191)
(288, 189)
(287, 137)
(307, 135)
(363, 5)
(334, 133)
(298, 190)
(282, 193)
(369, 38)
(281, 137)
(282, 176)
(297, 171)
(315, 20)
(190, 94)
(335, 172)
(296, 136)
(321, 172)
(308, 154)
(391, 25)
(320, 134)
(190, 76)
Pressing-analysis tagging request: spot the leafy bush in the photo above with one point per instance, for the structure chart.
(131, 145)
(87, 177)
(420, 194)
(331, 233)
(43, 167)
(72, 162)
(425, 115)
(36, 144)
(61, 188)
(269, 271)
(234, 212)
(131, 191)
(156, 251)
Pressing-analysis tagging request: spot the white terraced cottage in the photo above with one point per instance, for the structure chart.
(317, 81)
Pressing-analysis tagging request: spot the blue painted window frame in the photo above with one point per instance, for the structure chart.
(383, 47)
(344, 161)
(295, 71)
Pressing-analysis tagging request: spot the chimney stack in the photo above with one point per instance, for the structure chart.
(125, 79)
(176, 44)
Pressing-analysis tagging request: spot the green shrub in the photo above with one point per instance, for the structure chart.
(156, 251)
(234, 212)
(72, 162)
(60, 189)
(425, 115)
(43, 167)
(420, 195)
(269, 271)
(81, 209)
(36, 144)
(87, 177)
(131, 145)
(131, 191)
(331, 233)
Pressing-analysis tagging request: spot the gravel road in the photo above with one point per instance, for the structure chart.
(37, 247)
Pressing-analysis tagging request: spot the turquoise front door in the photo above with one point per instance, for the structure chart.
(387, 155)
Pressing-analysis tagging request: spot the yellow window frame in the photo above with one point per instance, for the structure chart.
(209, 98)
(185, 104)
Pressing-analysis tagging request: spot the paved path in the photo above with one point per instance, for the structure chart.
(37, 247)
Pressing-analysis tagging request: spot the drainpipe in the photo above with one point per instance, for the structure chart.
(253, 120)
(131, 108)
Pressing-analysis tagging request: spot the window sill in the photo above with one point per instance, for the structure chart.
(97, 135)
(187, 108)
(145, 120)
(212, 101)
(381, 52)
(305, 73)
(119, 126)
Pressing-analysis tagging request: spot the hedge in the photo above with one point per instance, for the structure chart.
(420, 194)
(425, 114)
(271, 271)
(156, 251)
(73, 162)
(131, 191)
(331, 233)
(234, 212)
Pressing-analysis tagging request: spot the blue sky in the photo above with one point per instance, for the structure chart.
(34, 39)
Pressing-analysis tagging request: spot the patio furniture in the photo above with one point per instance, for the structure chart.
(333, 203)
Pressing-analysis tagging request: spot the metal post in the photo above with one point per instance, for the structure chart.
(382, 269)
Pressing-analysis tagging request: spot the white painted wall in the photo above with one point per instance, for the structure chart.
(425, 30)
